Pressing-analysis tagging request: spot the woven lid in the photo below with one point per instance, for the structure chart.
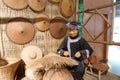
(37, 5)
(54, 1)
(16, 4)
(67, 8)
(42, 22)
(20, 30)
(31, 53)
(58, 27)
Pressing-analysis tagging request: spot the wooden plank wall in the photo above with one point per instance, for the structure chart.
(42, 39)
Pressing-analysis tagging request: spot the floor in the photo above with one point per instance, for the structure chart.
(109, 76)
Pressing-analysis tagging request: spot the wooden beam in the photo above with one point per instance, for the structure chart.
(100, 7)
(105, 42)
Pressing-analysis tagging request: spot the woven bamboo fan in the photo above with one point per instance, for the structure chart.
(53, 60)
(67, 8)
(16, 4)
(58, 27)
(54, 1)
(37, 5)
(31, 53)
(42, 22)
(20, 30)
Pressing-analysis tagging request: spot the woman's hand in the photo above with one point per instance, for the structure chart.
(66, 53)
(77, 54)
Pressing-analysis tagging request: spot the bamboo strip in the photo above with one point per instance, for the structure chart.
(2, 47)
(103, 17)
(102, 32)
(88, 20)
(106, 21)
(85, 24)
(88, 33)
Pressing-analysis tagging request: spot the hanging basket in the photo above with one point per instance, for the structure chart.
(7, 72)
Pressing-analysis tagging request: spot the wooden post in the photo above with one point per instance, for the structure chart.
(111, 31)
(76, 9)
(99, 75)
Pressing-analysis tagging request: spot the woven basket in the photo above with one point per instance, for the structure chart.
(7, 72)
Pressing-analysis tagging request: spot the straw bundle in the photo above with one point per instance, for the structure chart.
(7, 72)
(54, 61)
(58, 74)
(34, 73)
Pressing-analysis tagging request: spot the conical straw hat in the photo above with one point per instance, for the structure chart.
(37, 5)
(54, 1)
(20, 30)
(42, 22)
(58, 27)
(31, 53)
(16, 4)
(67, 8)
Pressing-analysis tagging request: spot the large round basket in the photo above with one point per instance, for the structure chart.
(7, 72)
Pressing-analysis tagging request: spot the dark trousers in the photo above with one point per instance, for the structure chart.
(78, 71)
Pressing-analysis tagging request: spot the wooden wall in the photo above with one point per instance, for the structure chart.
(96, 26)
(90, 4)
(42, 39)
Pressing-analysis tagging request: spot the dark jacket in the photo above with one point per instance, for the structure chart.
(78, 45)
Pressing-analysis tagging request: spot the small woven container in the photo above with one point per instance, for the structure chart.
(7, 72)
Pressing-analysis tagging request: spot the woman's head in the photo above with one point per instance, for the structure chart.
(72, 32)
(73, 28)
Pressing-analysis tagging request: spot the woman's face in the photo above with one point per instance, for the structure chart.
(72, 33)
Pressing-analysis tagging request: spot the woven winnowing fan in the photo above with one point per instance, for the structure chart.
(50, 67)
(54, 61)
